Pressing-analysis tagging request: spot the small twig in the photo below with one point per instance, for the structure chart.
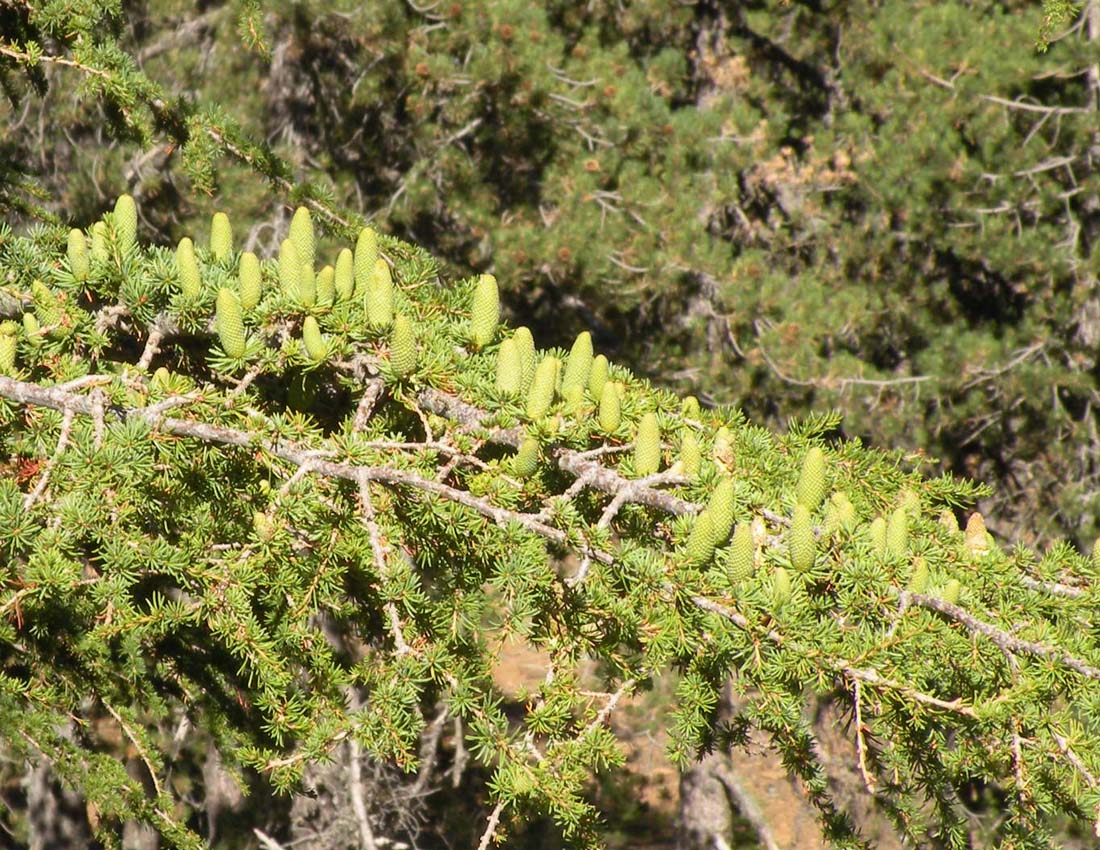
(861, 743)
(1006, 642)
(358, 796)
(132, 737)
(44, 479)
(379, 551)
(363, 411)
(491, 826)
(266, 841)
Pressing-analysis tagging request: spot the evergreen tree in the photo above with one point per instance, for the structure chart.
(187, 538)
(782, 206)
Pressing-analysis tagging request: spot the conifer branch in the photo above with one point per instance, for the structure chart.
(1008, 644)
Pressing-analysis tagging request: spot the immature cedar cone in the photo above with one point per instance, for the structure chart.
(781, 587)
(290, 270)
(30, 324)
(307, 285)
(647, 446)
(262, 526)
(100, 253)
(949, 521)
(78, 255)
(525, 348)
(897, 534)
(812, 480)
(187, 267)
(250, 279)
(801, 544)
(578, 366)
(951, 591)
(573, 398)
(380, 295)
(45, 304)
(509, 369)
(700, 543)
(597, 376)
(366, 255)
(315, 342)
(125, 222)
(742, 554)
(326, 285)
(485, 311)
(689, 407)
(526, 460)
(541, 394)
(343, 278)
(840, 513)
(691, 456)
(229, 323)
(610, 407)
(909, 500)
(976, 538)
(877, 532)
(301, 234)
(402, 346)
(720, 507)
(221, 236)
(7, 353)
(723, 449)
(918, 581)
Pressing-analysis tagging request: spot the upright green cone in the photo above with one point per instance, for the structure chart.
(525, 348)
(485, 312)
(509, 369)
(221, 237)
(126, 222)
(366, 256)
(742, 554)
(812, 480)
(307, 285)
(610, 407)
(647, 446)
(918, 581)
(301, 234)
(897, 534)
(77, 254)
(187, 268)
(250, 280)
(8, 344)
(315, 343)
(326, 285)
(229, 323)
(541, 394)
(781, 587)
(100, 254)
(380, 295)
(344, 276)
(801, 543)
(597, 376)
(290, 270)
(578, 366)
(877, 533)
(402, 346)
(691, 456)
(721, 507)
(700, 543)
(526, 461)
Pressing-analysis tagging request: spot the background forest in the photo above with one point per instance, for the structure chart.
(890, 209)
